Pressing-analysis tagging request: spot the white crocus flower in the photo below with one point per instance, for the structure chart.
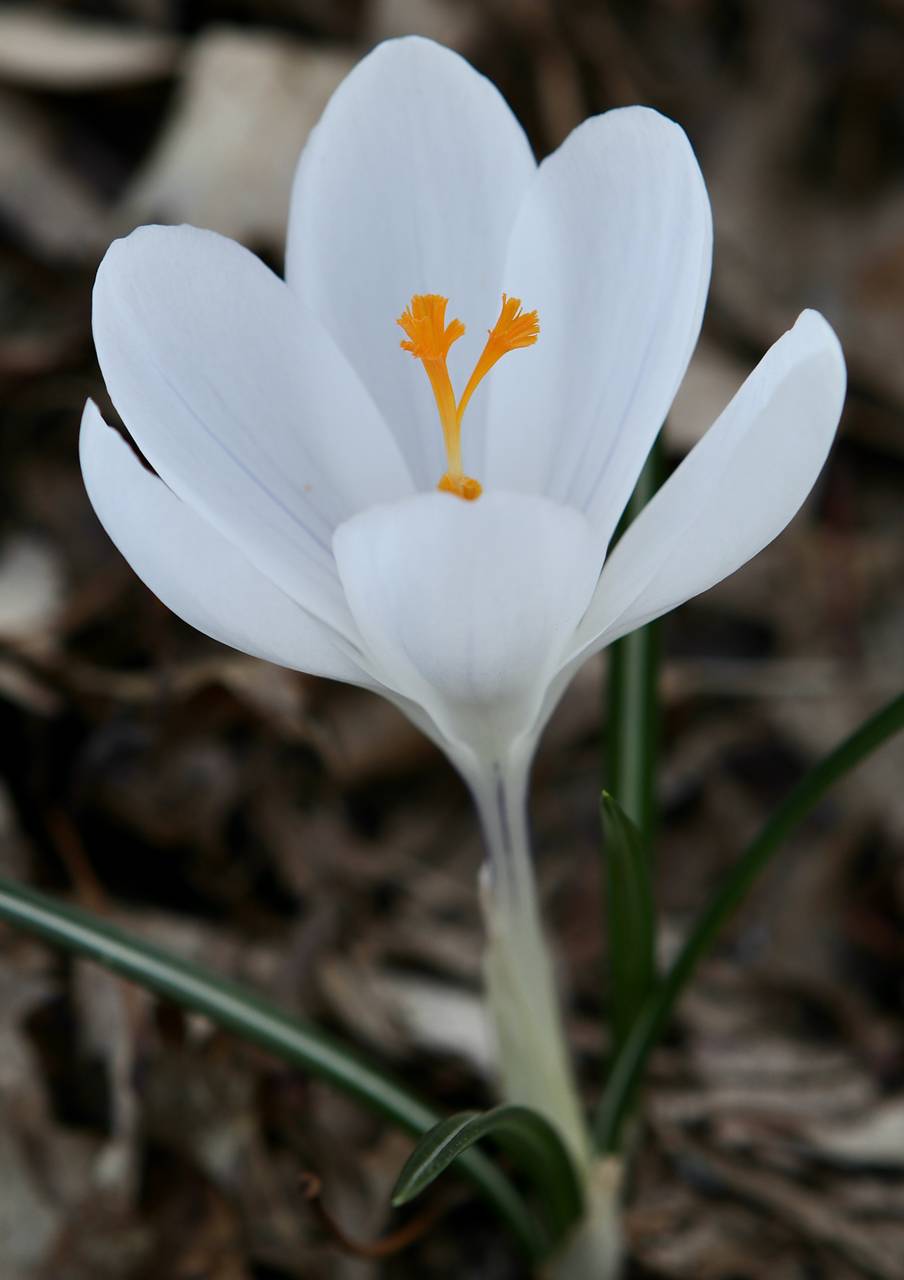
(296, 513)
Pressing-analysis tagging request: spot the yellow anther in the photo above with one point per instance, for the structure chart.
(429, 339)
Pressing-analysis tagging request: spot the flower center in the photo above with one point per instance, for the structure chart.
(429, 339)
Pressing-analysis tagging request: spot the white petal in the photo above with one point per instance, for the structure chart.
(409, 184)
(734, 492)
(194, 570)
(241, 402)
(613, 246)
(466, 607)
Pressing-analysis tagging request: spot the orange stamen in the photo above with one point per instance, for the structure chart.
(429, 339)
(424, 320)
(514, 328)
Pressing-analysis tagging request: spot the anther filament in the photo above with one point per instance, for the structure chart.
(429, 339)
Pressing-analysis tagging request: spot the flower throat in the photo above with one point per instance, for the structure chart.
(429, 339)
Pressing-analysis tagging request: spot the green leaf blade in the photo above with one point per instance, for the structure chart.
(433, 1154)
(532, 1142)
(632, 711)
(232, 1006)
(624, 1077)
(631, 915)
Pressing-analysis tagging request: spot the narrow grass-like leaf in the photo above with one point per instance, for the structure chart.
(632, 712)
(632, 925)
(628, 1067)
(531, 1141)
(242, 1011)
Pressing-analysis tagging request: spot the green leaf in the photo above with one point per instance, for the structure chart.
(240, 1010)
(632, 713)
(630, 1062)
(532, 1142)
(632, 922)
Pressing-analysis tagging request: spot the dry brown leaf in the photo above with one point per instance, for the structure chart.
(29, 1215)
(50, 207)
(712, 379)
(874, 1249)
(875, 1139)
(446, 1020)
(41, 49)
(31, 587)
(27, 1219)
(781, 246)
(226, 157)
(451, 22)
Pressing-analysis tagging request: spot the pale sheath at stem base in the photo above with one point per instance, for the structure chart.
(534, 1060)
(595, 1249)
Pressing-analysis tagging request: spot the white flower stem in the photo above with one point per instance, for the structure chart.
(534, 1061)
(521, 993)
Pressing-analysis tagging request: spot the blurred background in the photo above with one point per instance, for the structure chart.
(301, 835)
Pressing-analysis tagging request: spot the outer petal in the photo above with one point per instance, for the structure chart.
(466, 607)
(409, 184)
(613, 246)
(194, 570)
(734, 492)
(241, 402)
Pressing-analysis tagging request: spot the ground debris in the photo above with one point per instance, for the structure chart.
(304, 838)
